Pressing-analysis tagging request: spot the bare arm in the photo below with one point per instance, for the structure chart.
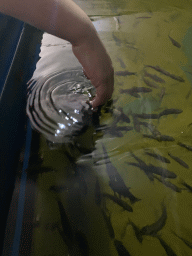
(65, 19)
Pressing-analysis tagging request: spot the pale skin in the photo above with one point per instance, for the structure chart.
(65, 19)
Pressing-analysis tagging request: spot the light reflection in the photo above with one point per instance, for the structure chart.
(62, 126)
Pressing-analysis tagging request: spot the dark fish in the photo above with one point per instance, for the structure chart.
(143, 17)
(121, 63)
(137, 232)
(136, 123)
(175, 43)
(162, 93)
(161, 171)
(147, 116)
(82, 243)
(124, 73)
(166, 73)
(118, 201)
(170, 111)
(81, 180)
(154, 77)
(117, 40)
(59, 189)
(120, 188)
(109, 225)
(187, 186)
(122, 117)
(189, 244)
(188, 147)
(151, 127)
(178, 160)
(67, 233)
(169, 185)
(143, 168)
(167, 248)
(153, 229)
(122, 251)
(158, 157)
(137, 89)
(98, 196)
(159, 137)
(150, 83)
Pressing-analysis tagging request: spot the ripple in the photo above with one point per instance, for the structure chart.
(57, 104)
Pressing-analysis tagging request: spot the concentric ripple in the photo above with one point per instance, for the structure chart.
(57, 106)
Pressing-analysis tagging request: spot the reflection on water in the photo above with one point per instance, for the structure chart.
(124, 187)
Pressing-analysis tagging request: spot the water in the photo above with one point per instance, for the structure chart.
(122, 185)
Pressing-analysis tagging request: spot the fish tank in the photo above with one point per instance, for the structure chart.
(115, 181)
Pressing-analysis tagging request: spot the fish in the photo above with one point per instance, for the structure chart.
(174, 42)
(188, 147)
(121, 63)
(143, 168)
(81, 179)
(137, 231)
(98, 195)
(122, 251)
(108, 223)
(166, 73)
(167, 248)
(137, 89)
(151, 127)
(154, 77)
(82, 243)
(117, 40)
(67, 233)
(143, 17)
(153, 229)
(124, 73)
(150, 83)
(158, 157)
(136, 123)
(178, 160)
(59, 189)
(187, 186)
(170, 111)
(118, 201)
(159, 137)
(122, 117)
(161, 171)
(122, 190)
(169, 185)
(147, 116)
(189, 244)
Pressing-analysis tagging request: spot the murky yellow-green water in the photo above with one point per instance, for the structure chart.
(152, 40)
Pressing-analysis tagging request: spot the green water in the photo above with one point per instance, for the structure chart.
(139, 35)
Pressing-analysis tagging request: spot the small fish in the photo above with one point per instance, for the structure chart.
(109, 225)
(187, 186)
(81, 179)
(143, 17)
(189, 244)
(137, 89)
(67, 233)
(137, 231)
(122, 117)
(59, 189)
(159, 157)
(117, 40)
(122, 251)
(120, 188)
(136, 123)
(98, 195)
(154, 77)
(175, 43)
(162, 93)
(124, 73)
(170, 111)
(145, 169)
(169, 185)
(82, 243)
(188, 147)
(151, 127)
(150, 83)
(167, 248)
(161, 171)
(121, 63)
(147, 116)
(166, 73)
(118, 201)
(159, 137)
(178, 160)
(153, 229)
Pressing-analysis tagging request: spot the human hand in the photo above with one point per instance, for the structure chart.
(97, 67)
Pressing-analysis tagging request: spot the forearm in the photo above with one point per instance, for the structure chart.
(62, 18)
